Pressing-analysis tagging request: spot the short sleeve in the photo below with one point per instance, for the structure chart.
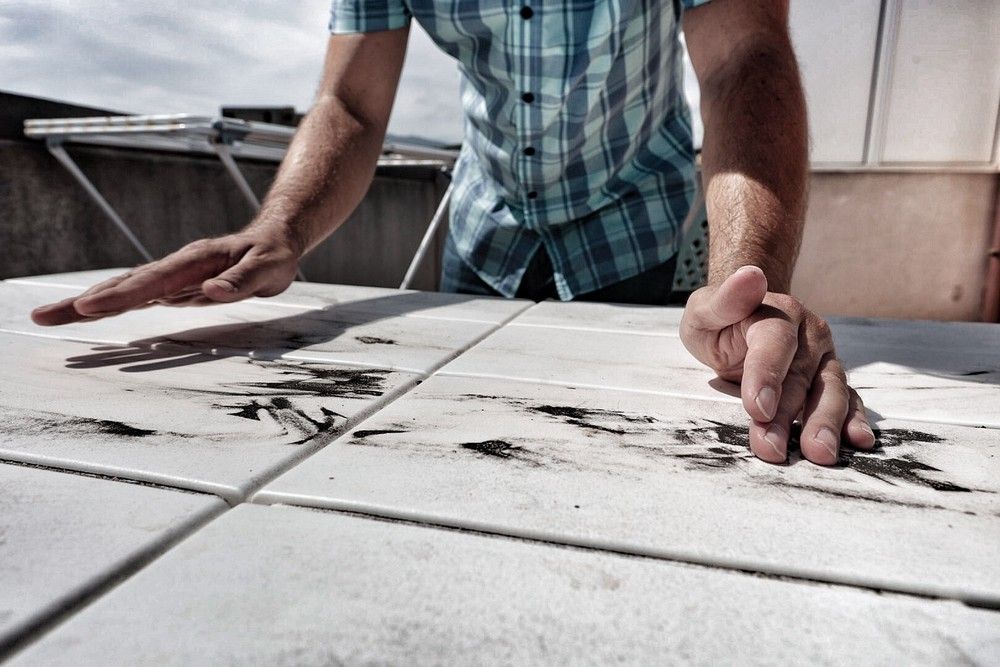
(691, 4)
(367, 15)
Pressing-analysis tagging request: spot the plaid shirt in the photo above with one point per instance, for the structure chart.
(577, 134)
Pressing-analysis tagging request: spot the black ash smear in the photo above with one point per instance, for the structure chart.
(501, 449)
(322, 381)
(876, 463)
(905, 468)
(361, 435)
(117, 428)
(725, 446)
(292, 419)
(46, 423)
(374, 340)
(857, 495)
(308, 380)
(606, 421)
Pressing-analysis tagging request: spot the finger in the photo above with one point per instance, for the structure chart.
(772, 342)
(769, 440)
(734, 300)
(825, 412)
(857, 429)
(184, 302)
(188, 266)
(54, 314)
(239, 282)
(65, 312)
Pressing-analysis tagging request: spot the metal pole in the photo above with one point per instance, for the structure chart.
(56, 149)
(425, 243)
(222, 150)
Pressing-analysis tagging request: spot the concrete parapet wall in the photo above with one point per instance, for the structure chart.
(50, 225)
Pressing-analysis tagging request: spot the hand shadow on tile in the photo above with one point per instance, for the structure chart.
(263, 340)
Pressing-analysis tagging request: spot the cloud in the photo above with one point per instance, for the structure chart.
(187, 57)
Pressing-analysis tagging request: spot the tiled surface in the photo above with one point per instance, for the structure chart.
(358, 333)
(62, 534)
(193, 420)
(332, 589)
(658, 475)
(587, 357)
(968, 378)
(641, 456)
(603, 317)
(938, 336)
(385, 301)
(73, 279)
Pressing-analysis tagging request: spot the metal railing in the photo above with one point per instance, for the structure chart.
(225, 138)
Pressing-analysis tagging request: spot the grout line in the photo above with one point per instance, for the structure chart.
(37, 630)
(48, 620)
(626, 332)
(377, 407)
(680, 556)
(108, 473)
(320, 442)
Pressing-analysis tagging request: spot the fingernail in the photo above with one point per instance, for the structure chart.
(767, 401)
(225, 285)
(868, 429)
(826, 438)
(775, 436)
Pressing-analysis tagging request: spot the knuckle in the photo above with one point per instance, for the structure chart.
(789, 304)
(199, 247)
(822, 328)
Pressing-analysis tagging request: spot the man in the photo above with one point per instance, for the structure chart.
(576, 170)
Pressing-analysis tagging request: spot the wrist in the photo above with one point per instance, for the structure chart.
(279, 232)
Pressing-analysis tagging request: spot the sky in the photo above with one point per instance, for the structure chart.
(193, 57)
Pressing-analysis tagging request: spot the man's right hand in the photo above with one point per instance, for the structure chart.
(253, 262)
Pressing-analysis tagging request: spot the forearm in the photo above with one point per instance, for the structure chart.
(754, 161)
(326, 172)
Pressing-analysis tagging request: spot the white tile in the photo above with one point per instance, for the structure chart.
(410, 303)
(62, 535)
(964, 336)
(662, 476)
(588, 357)
(656, 320)
(891, 390)
(72, 279)
(964, 379)
(193, 420)
(289, 586)
(383, 300)
(336, 334)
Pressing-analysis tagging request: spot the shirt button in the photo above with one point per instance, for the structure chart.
(527, 98)
(526, 13)
(529, 151)
(532, 195)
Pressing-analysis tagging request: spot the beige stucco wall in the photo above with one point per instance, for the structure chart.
(906, 245)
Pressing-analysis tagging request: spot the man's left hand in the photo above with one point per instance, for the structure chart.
(783, 357)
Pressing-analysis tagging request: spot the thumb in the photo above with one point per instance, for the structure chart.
(732, 301)
(235, 283)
